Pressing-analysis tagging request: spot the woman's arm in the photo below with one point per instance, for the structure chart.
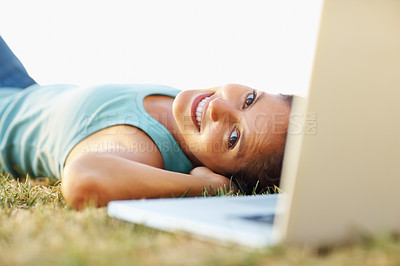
(101, 177)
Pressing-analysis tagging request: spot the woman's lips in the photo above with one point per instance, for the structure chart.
(195, 103)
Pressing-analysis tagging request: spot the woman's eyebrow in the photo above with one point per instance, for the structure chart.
(242, 139)
(241, 143)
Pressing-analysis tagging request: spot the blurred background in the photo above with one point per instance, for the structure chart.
(186, 44)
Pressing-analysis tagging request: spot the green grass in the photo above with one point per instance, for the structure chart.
(37, 228)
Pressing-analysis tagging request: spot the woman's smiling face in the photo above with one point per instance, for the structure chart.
(226, 126)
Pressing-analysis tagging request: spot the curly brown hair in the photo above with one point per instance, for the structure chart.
(266, 170)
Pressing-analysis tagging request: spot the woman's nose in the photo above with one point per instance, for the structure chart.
(221, 109)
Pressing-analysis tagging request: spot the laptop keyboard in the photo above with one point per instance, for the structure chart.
(264, 218)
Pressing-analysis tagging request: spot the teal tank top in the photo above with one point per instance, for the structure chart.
(40, 125)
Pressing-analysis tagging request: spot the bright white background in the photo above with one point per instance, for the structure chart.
(186, 44)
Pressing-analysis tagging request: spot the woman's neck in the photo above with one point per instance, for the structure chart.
(160, 108)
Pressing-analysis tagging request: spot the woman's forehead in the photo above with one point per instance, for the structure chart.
(264, 125)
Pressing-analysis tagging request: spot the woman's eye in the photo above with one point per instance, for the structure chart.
(233, 139)
(249, 100)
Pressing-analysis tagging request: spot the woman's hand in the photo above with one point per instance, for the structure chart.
(101, 177)
(205, 172)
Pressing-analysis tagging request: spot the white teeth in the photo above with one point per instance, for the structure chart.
(199, 109)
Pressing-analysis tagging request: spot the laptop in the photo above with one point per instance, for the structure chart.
(341, 171)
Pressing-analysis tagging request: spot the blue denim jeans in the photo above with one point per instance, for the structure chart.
(12, 72)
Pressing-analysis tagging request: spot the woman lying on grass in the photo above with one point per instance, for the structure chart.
(115, 142)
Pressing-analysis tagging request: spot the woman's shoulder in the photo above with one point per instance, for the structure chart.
(123, 140)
